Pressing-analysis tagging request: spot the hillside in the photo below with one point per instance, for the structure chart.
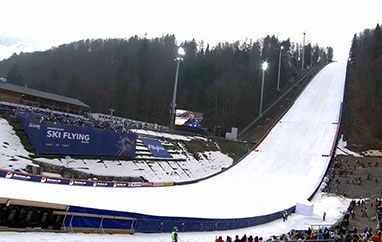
(362, 120)
(135, 76)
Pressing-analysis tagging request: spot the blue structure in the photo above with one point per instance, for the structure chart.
(63, 139)
(156, 148)
(157, 224)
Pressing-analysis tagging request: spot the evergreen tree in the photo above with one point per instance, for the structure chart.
(14, 76)
(135, 76)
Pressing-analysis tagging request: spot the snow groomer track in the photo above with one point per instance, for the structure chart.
(285, 168)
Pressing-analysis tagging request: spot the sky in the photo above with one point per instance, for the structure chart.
(49, 23)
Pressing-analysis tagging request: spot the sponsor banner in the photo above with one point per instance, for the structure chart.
(21, 176)
(157, 184)
(156, 148)
(51, 138)
(121, 184)
(135, 184)
(188, 118)
(77, 182)
(168, 184)
(147, 184)
(54, 180)
(102, 184)
(73, 182)
(162, 184)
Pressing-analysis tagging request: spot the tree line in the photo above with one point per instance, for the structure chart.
(363, 94)
(135, 76)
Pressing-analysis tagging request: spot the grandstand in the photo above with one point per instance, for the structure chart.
(129, 123)
(35, 98)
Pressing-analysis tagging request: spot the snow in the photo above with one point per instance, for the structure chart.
(333, 206)
(286, 167)
(50, 174)
(12, 153)
(13, 156)
(342, 150)
(209, 162)
(164, 135)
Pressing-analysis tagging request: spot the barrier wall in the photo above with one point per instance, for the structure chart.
(77, 182)
(63, 139)
(157, 224)
(143, 223)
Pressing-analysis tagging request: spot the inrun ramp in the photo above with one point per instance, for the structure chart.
(285, 168)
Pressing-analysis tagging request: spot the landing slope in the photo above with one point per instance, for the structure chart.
(284, 169)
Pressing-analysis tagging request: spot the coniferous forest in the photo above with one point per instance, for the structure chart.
(135, 76)
(363, 95)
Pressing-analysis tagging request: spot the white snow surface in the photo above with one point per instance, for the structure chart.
(333, 206)
(166, 135)
(12, 152)
(209, 162)
(342, 150)
(287, 167)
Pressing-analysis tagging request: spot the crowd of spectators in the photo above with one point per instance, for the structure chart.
(122, 125)
(125, 125)
(339, 232)
(344, 169)
(293, 235)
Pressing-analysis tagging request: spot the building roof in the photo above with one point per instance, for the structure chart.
(41, 94)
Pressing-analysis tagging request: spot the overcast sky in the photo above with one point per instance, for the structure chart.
(327, 22)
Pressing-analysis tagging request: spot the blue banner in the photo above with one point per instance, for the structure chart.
(64, 139)
(156, 148)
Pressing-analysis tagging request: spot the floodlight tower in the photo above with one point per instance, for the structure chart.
(278, 75)
(178, 59)
(264, 66)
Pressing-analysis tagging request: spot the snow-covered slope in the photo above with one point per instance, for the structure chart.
(286, 168)
(12, 152)
(209, 162)
(184, 167)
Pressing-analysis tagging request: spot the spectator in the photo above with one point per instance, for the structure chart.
(250, 238)
(174, 234)
(376, 237)
(320, 236)
(353, 213)
(355, 229)
(237, 239)
(220, 239)
(244, 238)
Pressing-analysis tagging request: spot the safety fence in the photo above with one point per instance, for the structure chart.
(78, 182)
(156, 224)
